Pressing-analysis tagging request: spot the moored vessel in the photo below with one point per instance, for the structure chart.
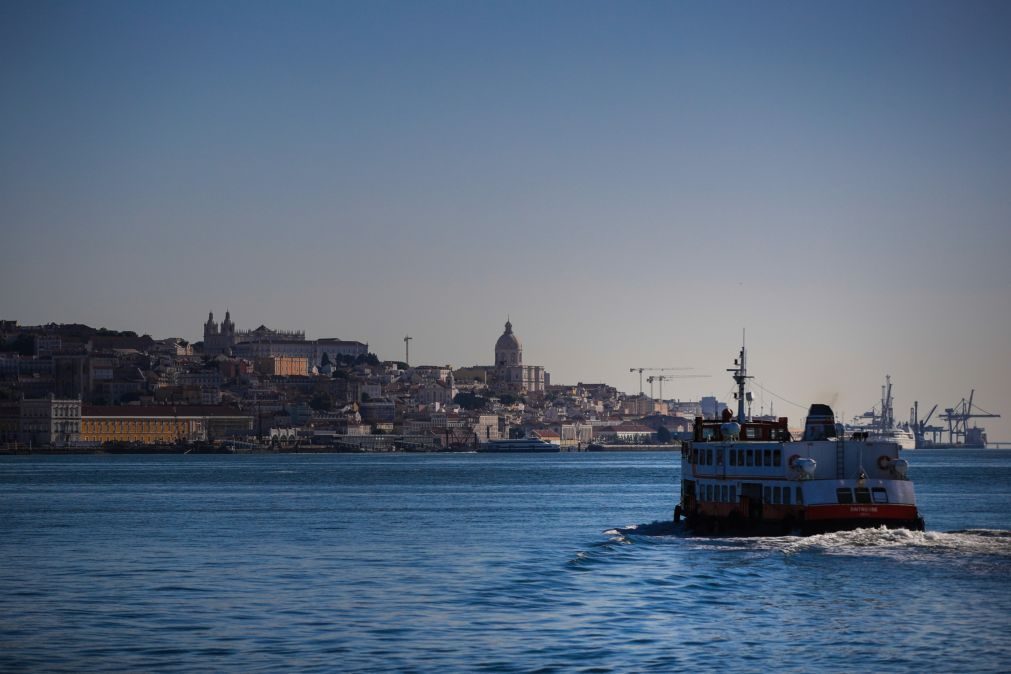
(751, 477)
(518, 445)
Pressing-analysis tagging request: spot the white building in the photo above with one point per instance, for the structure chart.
(49, 421)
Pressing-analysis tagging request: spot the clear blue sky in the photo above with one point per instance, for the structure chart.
(632, 182)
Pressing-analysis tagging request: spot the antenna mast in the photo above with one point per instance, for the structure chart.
(740, 376)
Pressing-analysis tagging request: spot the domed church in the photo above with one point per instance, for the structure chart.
(510, 373)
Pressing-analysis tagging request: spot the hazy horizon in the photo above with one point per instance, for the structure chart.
(632, 184)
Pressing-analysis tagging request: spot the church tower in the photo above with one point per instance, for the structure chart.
(227, 327)
(210, 327)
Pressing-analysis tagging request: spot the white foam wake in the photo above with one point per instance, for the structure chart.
(882, 540)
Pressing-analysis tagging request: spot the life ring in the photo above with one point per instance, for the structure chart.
(793, 459)
(884, 462)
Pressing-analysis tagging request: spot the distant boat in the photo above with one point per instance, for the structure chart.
(881, 427)
(900, 436)
(518, 445)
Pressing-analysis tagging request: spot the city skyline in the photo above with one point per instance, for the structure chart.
(632, 185)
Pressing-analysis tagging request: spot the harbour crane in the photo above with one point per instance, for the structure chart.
(640, 370)
(920, 427)
(668, 377)
(959, 415)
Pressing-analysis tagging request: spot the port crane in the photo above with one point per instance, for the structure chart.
(958, 418)
(668, 377)
(640, 370)
(920, 427)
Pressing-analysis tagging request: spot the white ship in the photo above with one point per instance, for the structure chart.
(751, 477)
(882, 427)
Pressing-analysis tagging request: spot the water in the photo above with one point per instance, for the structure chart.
(478, 563)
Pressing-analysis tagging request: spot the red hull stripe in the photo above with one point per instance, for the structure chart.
(861, 510)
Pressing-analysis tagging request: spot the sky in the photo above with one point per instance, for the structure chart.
(632, 183)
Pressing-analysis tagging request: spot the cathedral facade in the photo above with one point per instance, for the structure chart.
(219, 339)
(510, 374)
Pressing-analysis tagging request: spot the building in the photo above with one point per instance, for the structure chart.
(282, 366)
(486, 428)
(221, 339)
(162, 424)
(312, 351)
(510, 374)
(49, 421)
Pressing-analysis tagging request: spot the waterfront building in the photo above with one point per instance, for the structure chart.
(49, 421)
(161, 424)
(10, 419)
(486, 428)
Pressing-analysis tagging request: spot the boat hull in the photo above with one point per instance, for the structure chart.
(812, 521)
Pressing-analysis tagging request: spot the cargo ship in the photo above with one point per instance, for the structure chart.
(751, 477)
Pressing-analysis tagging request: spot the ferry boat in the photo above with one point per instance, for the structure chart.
(751, 477)
(518, 445)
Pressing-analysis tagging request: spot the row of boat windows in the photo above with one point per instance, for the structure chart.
(738, 457)
(861, 495)
(722, 493)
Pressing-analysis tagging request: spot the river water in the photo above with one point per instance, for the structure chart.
(496, 563)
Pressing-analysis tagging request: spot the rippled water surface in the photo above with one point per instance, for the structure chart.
(478, 563)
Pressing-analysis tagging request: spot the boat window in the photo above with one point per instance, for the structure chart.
(723, 493)
(733, 457)
(786, 496)
(844, 495)
(709, 492)
(768, 495)
(777, 457)
(751, 457)
(768, 458)
(880, 495)
(733, 493)
(863, 495)
(707, 434)
(800, 496)
(709, 457)
(776, 495)
(719, 457)
(751, 433)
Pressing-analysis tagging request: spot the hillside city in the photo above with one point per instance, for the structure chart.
(72, 387)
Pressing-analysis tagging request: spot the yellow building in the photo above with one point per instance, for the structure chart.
(282, 366)
(158, 424)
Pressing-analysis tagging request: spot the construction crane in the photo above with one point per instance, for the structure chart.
(640, 370)
(668, 377)
(959, 415)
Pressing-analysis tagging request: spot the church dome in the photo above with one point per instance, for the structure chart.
(508, 341)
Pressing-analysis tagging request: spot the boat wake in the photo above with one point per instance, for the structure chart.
(658, 528)
(993, 542)
(880, 541)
